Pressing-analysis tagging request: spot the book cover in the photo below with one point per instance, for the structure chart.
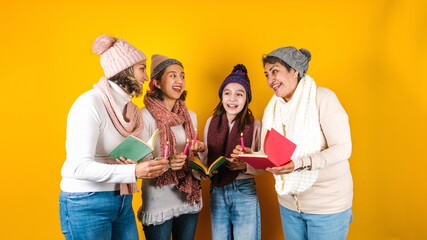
(197, 164)
(278, 151)
(134, 148)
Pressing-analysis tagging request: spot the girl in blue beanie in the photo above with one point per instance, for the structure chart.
(234, 207)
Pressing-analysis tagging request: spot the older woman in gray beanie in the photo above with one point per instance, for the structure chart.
(315, 189)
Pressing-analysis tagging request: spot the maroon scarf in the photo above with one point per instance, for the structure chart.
(166, 119)
(221, 142)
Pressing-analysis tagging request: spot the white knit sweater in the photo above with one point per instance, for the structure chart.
(90, 137)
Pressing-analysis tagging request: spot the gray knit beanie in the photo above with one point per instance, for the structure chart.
(297, 59)
(160, 62)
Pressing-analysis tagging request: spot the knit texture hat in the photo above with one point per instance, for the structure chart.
(116, 54)
(238, 75)
(297, 59)
(160, 62)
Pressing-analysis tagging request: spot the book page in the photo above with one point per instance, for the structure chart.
(153, 139)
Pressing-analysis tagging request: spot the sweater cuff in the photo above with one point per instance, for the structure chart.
(127, 172)
(303, 163)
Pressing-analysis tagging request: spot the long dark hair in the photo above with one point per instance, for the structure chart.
(245, 116)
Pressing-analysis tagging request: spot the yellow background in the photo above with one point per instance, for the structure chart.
(371, 53)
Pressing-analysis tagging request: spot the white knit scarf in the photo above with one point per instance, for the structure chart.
(298, 120)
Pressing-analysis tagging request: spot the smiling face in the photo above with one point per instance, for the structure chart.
(233, 100)
(172, 83)
(140, 77)
(280, 80)
(132, 78)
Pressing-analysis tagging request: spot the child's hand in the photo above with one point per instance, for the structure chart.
(235, 164)
(205, 177)
(197, 146)
(176, 162)
(239, 150)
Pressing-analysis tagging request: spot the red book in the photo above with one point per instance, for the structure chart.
(278, 150)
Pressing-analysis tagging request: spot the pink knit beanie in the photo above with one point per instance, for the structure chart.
(116, 54)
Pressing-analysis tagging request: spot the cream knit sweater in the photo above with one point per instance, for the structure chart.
(333, 190)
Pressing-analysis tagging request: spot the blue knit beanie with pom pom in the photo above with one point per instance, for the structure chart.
(238, 75)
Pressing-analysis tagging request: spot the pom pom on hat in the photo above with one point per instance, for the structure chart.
(241, 68)
(306, 53)
(116, 54)
(102, 44)
(238, 75)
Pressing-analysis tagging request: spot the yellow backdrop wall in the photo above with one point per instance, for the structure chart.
(372, 54)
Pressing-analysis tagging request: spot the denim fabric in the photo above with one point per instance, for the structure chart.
(97, 215)
(298, 226)
(182, 227)
(235, 212)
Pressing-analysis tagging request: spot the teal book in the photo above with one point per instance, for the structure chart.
(134, 148)
(197, 164)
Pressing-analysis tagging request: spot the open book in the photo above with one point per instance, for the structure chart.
(196, 163)
(278, 150)
(134, 148)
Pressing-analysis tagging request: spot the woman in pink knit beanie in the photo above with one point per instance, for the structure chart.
(96, 193)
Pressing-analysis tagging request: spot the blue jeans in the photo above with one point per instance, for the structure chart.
(298, 226)
(235, 212)
(182, 227)
(97, 215)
